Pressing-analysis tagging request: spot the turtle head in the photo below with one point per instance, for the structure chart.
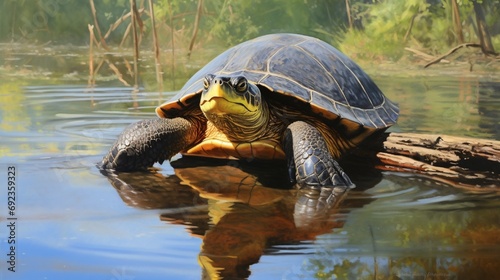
(233, 95)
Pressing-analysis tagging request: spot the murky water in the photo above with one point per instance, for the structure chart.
(191, 221)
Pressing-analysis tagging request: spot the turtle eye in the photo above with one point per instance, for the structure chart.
(207, 80)
(206, 83)
(241, 85)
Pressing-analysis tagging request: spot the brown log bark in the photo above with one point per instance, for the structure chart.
(459, 161)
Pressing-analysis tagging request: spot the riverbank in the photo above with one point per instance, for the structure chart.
(70, 64)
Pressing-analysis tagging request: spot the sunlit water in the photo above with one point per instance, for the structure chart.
(73, 224)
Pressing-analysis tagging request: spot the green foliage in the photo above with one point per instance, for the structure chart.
(388, 26)
(226, 23)
(385, 28)
(232, 24)
(57, 21)
(381, 28)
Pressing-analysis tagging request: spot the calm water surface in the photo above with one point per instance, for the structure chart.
(75, 223)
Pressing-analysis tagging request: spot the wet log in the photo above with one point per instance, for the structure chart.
(459, 161)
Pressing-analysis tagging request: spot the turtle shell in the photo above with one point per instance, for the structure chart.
(303, 67)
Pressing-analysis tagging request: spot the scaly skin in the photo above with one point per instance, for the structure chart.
(143, 143)
(314, 170)
(309, 161)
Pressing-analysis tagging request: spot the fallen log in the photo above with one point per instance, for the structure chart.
(459, 161)
(424, 56)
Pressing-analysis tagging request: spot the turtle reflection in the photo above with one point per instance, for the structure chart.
(239, 210)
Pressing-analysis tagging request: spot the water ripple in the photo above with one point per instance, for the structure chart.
(404, 192)
(99, 113)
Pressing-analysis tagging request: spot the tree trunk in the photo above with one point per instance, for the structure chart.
(482, 30)
(348, 10)
(408, 32)
(459, 161)
(457, 23)
(199, 10)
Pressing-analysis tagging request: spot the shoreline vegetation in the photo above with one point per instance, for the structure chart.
(177, 36)
(25, 62)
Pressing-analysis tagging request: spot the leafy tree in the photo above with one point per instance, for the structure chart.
(387, 26)
(379, 29)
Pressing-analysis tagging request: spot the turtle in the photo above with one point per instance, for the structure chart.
(286, 97)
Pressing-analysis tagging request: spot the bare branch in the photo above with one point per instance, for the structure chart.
(466, 45)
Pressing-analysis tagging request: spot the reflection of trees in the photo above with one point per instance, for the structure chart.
(488, 104)
(389, 267)
(462, 106)
(12, 117)
(440, 240)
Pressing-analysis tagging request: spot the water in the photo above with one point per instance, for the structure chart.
(74, 223)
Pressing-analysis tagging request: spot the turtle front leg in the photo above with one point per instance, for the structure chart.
(310, 164)
(313, 169)
(145, 142)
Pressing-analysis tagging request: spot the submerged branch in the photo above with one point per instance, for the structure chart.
(117, 72)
